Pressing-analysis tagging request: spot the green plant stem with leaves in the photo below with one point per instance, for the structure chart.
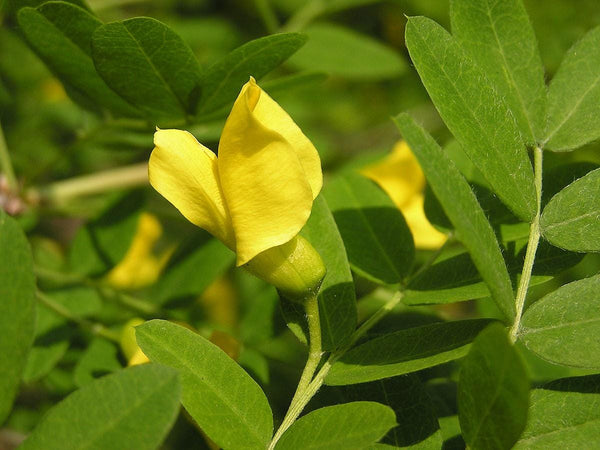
(308, 385)
(532, 245)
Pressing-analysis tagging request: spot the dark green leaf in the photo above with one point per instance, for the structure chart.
(563, 327)
(377, 239)
(405, 351)
(477, 116)
(97, 360)
(223, 80)
(134, 408)
(221, 397)
(60, 33)
(571, 220)
(564, 414)
(149, 65)
(493, 392)
(418, 427)
(500, 39)
(103, 242)
(17, 309)
(341, 51)
(573, 96)
(294, 81)
(340, 427)
(197, 263)
(463, 210)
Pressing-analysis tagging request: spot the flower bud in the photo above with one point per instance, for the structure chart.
(294, 268)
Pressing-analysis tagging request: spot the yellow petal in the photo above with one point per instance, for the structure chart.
(399, 174)
(268, 112)
(424, 234)
(141, 265)
(185, 172)
(267, 193)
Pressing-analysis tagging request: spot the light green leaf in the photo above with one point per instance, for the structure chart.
(149, 65)
(571, 220)
(195, 265)
(574, 95)
(499, 37)
(17, 309)
(340, 427)
(418, 427)
(493, 392)
(405, 351)
(377, 239)
(474, 112)
(60, 33)
(337, 299)
(221, 397)
(564, 414)
(463, 210)
(223, 80)
(563, 326)
(133, 408)
(340, 51)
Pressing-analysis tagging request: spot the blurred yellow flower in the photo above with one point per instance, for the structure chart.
(256, 196)
(142, 264)
(401, 177)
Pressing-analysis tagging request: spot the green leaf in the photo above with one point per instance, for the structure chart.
(563, 326)
(149, 65)
(418, 426)
(500, 39)
(344, 427)
(477, 116)
(197, 263)
(573, 96)
(340, 51)
(377, 239)
(223, 80)
(295, 81)
(133, 408)
(337, 299)
(103, 242)
(60, 33)
(456, 278)
(98, 359)
(571, 220)
(493, 392)
(564, 414)
(463, 210)
(405, 351)
(17, 309)
(221, 397)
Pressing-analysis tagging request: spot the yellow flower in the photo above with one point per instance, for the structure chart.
(256, 196)
(401, 177)
(142, 264)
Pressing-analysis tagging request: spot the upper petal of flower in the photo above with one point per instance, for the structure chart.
(266, 188)
(185, 173)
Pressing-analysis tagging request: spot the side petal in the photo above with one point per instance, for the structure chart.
(185, 172)
(265, 186)
(268, 112)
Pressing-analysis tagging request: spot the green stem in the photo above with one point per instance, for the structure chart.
(119, 178)
(315, 351)
(96, 329)
(532, 245)
(303, 396)
(6, 163)
(310, 11)
(267, 15)
(433, 258)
